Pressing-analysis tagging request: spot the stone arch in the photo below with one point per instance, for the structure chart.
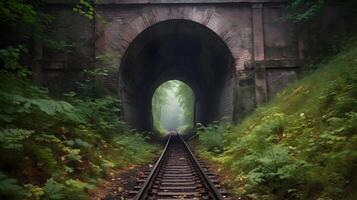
(183, 50)
(208, 18)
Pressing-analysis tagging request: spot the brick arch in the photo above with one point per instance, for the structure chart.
(121, 26)
(208, 18)
(176, 49)
(265, 49)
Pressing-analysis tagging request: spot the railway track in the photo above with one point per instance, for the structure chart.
(178, 175)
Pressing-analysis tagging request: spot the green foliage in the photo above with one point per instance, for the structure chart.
(76, 187)
(9, 187)
(24, 25)
(55, 148)
(58, 46)
(89, 87)
(11, 57)
(301, 11)
(159, 100)
(34, 192)
(211, 137)
(133, 148)
(182, 106)
(23, 15)
(54, 190)
(85, 8)
(302, 145)
(305, 10)
(186, 99)
(12, 139)
(59, 148)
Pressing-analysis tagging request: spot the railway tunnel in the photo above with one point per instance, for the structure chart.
(177, 50)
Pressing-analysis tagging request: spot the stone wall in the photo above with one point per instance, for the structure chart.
(263, 46)
(63, 70)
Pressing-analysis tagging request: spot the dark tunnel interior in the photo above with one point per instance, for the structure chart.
(181, 50)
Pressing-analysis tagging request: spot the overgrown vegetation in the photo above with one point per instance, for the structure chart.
(301, 11)
(302, 145)
(305, 10)
(59, 149)
(324, 39)
(55, 147)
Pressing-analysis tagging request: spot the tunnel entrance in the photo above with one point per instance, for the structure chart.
(173, 107)
(177, 50)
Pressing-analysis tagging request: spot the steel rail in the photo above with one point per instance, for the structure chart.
(146, 186)
(215, 192)
(149, 180)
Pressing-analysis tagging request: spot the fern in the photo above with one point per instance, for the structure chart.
(300, 146)
(54, 190)
(77, 189)
(9, 189)
(76, 142)
(34, 192)
(13, 138)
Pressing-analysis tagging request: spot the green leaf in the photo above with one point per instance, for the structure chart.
(54, 190)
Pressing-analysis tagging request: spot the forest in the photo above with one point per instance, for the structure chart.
(173, 107)
(59, 144)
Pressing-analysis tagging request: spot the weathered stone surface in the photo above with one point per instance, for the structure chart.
(277, 79)
(279, 34)
(62, 70)
(241, 52)
(101, 2)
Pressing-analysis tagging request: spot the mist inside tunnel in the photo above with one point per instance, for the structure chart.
(177, 50)
(173, 107)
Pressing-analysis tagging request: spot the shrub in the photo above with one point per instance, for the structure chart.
(59, 148)
(302, 145)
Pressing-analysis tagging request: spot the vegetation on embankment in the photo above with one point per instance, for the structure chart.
(302, 145)
(55, 148)
(60, 148)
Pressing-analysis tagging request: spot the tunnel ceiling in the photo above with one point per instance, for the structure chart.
(174, 49)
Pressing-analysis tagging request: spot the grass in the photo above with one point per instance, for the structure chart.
(301, 145)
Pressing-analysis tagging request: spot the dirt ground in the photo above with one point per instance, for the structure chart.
(118, 185)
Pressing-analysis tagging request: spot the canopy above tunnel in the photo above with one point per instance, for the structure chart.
(182, 50)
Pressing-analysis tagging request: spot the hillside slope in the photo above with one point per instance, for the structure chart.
(61, 148)
(302, 145)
